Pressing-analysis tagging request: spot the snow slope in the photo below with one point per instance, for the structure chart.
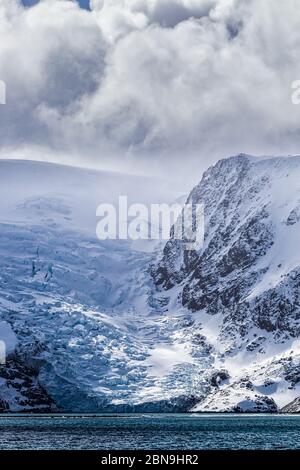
(82, 310)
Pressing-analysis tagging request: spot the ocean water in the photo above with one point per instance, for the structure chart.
(150, 431)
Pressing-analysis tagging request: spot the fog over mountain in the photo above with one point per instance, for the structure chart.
(142, 84)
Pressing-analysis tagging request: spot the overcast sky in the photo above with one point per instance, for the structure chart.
(170, 85)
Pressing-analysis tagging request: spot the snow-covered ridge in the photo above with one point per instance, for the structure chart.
(246, 275)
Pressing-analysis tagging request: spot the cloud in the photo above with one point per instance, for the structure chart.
(159, 81)
(51, 56)
(119, 18)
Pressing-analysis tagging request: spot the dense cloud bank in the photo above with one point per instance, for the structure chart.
(152, 80)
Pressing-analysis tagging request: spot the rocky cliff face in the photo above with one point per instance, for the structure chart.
(247, 275)
(293, 407)
(248, 268)
(20, 389)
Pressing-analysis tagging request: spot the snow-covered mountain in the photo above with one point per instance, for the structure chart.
(117, 325)
(244, 284)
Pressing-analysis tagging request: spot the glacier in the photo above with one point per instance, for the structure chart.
(87, 325)
(118, 325)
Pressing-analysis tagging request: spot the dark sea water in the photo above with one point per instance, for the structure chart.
(153, 431)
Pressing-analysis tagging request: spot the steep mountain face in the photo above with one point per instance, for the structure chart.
(249, 265)
(293, 407)
(116, 325)
(247, 274)
(21, 390)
